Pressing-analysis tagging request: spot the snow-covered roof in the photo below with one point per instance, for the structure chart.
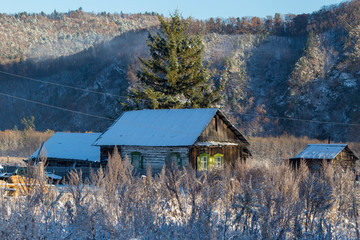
(212, 143)
(76, 146)
(160, 127)
(321, 151)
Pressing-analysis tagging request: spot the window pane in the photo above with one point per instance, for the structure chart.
(315, 167)
(204, 162)
(173, 158)
(218, 162)
(136, 161)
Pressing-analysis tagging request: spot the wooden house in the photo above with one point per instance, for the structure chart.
(69, 151)
(340, 155)
(203, 138)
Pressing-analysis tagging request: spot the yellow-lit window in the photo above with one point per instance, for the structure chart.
(202, 162)
(218, 160)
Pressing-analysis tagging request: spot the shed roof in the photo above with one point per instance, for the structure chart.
(321, 151)
(160, 127)
(76, 146)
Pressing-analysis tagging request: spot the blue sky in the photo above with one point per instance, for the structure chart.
(199, 9)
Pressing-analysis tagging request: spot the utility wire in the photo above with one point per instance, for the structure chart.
(55, 107)
(300, 120)
(244, 114)
(60, 85)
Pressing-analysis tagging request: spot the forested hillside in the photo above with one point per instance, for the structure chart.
(294, 66)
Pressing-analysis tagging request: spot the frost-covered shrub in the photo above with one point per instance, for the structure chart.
(248, 201)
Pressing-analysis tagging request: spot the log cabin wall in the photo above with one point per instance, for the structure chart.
(231, 153)
(59, 162)
(345, 159)
(217, 131)
(62, 167)
(156, 156)
(105, 151)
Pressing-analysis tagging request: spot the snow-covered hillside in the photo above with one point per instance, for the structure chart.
(268, 78)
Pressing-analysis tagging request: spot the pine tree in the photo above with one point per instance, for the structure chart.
(174, 76)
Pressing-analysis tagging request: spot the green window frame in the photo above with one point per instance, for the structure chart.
(174, 156)
(315, 167)
(218, 160)
(203, 162)
(137, 160)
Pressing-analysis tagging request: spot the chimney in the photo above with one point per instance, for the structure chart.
(329, 140)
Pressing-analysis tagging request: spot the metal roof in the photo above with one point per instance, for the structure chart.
(160, 127)
(76, 146)
(321, 151)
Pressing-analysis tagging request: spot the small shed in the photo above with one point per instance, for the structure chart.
(203, 138)
(66, 151)
(336, 154)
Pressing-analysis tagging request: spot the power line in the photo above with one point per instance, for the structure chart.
(300, 120)
(244, 114)
(55, 107)
(60, 85)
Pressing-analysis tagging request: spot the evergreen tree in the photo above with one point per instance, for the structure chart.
(174, 76)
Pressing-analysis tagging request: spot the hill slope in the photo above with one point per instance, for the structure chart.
(311, 76)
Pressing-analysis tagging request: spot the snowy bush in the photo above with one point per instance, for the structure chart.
(248, 201)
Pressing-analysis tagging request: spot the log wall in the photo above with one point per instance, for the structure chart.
(231, 153)
(156, 156)
(345, 160)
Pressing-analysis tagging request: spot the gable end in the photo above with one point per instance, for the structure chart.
(219, 129)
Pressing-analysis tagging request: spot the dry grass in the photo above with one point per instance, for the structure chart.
(250, 201)
(12, 161)
(275, 149)
(21, 143)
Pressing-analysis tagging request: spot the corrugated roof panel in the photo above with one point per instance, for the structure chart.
(71, 146)
(321, 151)
(163, 127)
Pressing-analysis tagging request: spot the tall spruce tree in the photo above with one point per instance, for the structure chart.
(174, 76)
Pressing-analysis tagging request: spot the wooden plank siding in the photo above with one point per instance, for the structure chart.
(231, 153)
(155, 156)
(59, 162)
(105, 151)
(218, 131)
(345, 159)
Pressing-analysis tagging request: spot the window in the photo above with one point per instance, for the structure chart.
(206, 162)
(136, 160)
(218, 160)
(202, 162)
(315, 167)
(175, 157)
